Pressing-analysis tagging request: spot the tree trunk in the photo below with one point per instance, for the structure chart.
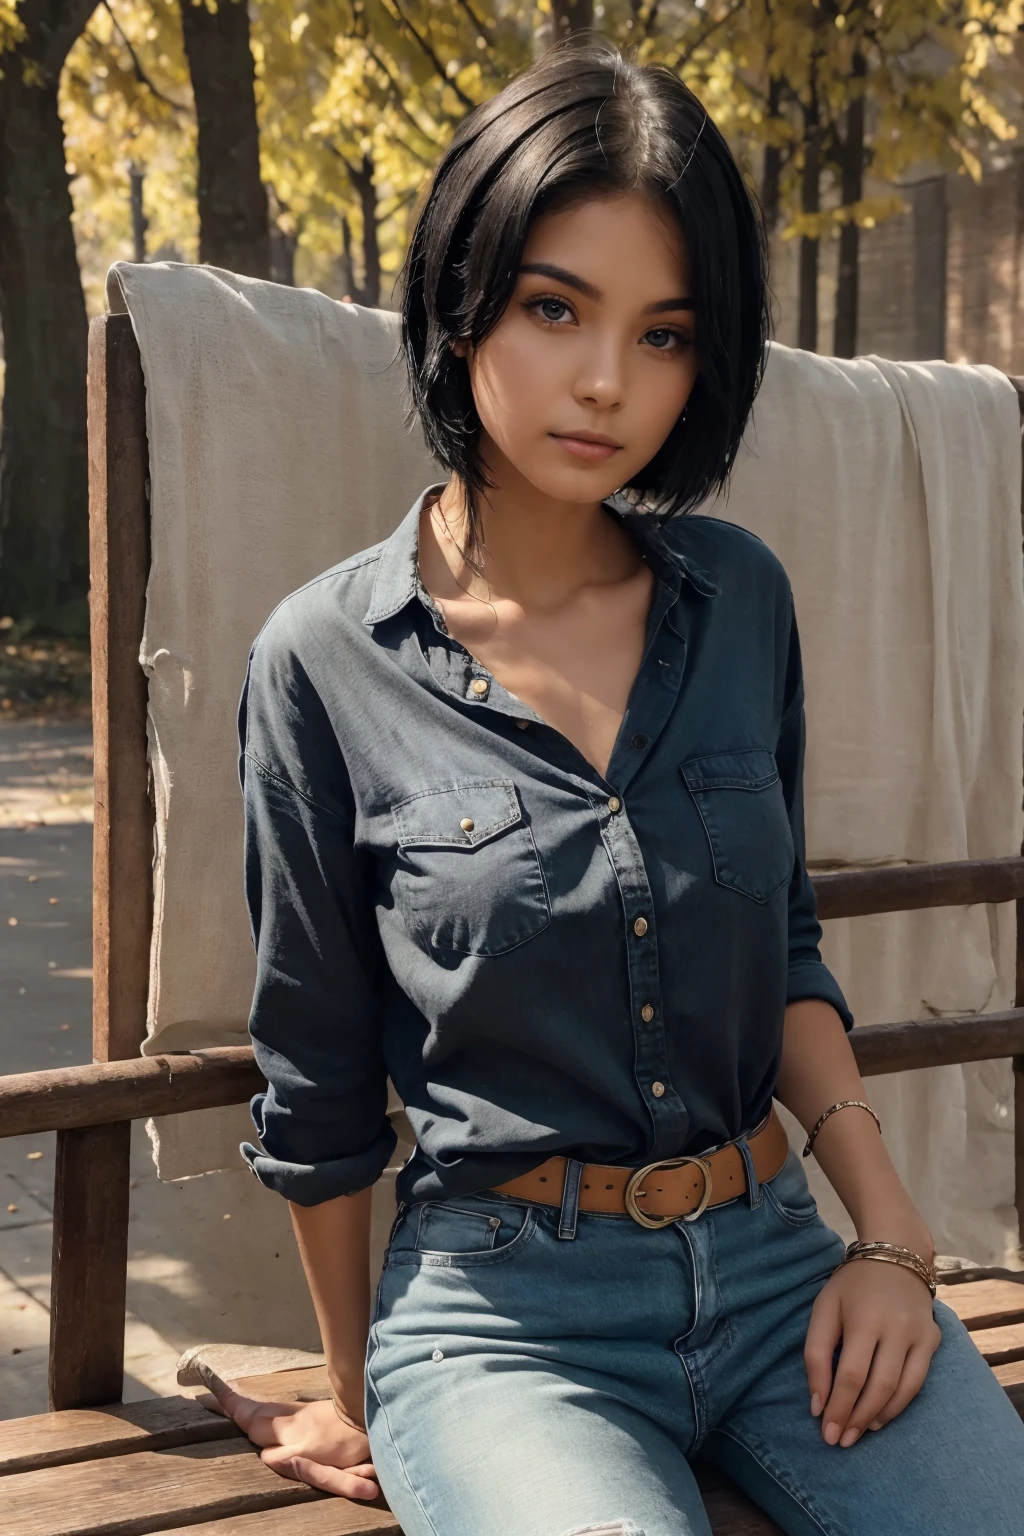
(771, 175)
(140, 224)
(234, 228)
(44, 551)
(810, 202)
(844, 340)
(568, 16)
(363, 180)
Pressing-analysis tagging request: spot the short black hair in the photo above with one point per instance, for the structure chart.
(585, 121)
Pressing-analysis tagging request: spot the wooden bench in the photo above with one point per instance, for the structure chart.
(170, 1465)
(94, 1467)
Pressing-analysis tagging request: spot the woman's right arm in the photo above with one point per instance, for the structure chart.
(324, 1134)
(334, 1242)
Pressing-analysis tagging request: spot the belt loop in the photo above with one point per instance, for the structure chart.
(753, 1184)
(570, 1198)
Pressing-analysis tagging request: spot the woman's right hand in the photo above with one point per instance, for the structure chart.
(308, 1442)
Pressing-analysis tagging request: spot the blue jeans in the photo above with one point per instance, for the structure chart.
(536, 1372)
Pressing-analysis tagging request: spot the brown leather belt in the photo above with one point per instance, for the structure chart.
(674, 1189)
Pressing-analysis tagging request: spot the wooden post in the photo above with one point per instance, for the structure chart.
(90, 1216)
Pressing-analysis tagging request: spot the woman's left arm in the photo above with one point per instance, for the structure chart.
(882, 1313)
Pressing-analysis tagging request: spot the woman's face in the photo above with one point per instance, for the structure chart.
(584, 376)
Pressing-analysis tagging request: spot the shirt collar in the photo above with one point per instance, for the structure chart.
(396, 580)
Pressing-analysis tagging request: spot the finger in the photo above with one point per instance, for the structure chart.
(912, 1379)
(358, 1482)
(823, 1332)
(882, 1381)
(251, 1414)
(851, 1374)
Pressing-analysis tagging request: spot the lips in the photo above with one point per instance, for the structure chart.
(587, 437)
(587, 445)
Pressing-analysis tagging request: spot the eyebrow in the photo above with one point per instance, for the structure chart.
(589, 291)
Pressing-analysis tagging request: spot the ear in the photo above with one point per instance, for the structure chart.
(460, 348)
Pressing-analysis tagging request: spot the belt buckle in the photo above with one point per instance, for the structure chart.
(630, 1192)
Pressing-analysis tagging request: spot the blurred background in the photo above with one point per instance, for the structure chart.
(291, 139)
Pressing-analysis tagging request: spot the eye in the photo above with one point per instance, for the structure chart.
(662, 339)
(551, 310)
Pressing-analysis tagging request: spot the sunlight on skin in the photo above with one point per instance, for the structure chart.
(577, 388)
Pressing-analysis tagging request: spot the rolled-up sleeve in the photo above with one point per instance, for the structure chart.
(808, 974)
(322, 1122)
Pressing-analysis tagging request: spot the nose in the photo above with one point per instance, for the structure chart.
(600, 378)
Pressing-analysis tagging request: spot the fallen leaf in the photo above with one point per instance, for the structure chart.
(12, 922)
(54, 900)
(11, 1209)
(33, 1156)
(32, 879)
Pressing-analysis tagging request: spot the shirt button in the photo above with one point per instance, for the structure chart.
(640, 927)
(647, 1012)
(467, 823)
(523, 724)
(480, 685)
(657, 1089)
(614, 803)
(639, 741)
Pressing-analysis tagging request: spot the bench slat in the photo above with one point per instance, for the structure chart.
(326, 1517)
(89, 1434)
(986, 1303)
(1000, 1346)
(144, 1492)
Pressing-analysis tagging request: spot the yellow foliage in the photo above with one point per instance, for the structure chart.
(354, 89)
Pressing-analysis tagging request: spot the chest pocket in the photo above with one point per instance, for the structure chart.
(469, 879)
(739, 797)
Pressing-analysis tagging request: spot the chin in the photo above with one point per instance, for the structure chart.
(582, 484)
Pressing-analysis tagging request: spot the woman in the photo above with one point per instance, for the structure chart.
(524, 831)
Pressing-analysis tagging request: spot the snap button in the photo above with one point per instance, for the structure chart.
(639, 740)
(647, 1012)
(480, 685)
(614, 803)
(494, 1221)
(437, 1355)
(467, 823)
(640, 927)
(657, 1089)
(523, 724)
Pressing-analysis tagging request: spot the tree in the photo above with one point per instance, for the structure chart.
(234, 230)
(832, 90)
(43, 506)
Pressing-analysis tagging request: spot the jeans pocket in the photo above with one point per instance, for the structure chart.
(789, 1194)
(740, 801)
(469, 878)
(463, 1233)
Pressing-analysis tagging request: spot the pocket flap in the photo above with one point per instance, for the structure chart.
(746, 768)
(458, 815)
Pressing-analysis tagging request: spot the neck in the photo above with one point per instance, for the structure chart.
(534, 549)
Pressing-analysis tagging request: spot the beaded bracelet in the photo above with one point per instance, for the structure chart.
(843, 1104)
(892, 1253)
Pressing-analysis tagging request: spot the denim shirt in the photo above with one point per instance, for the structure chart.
(443, 889)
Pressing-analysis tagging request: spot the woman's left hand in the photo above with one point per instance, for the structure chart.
(883, 1315)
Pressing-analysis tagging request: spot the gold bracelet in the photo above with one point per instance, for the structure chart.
(843, 1104)
(343, 1416)
(892, 1253)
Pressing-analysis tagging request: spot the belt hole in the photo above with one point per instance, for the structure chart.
(609, 1186)
(586, 1186)
(543, 1178)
